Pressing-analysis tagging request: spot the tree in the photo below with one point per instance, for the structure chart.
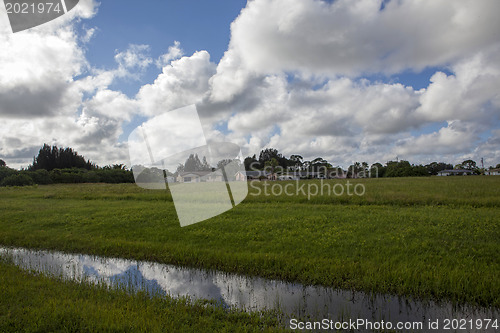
(180, 168)
(41, 177)
(50, 158)
(17, 180)
(251, 163)
(434, 167)
(320, 164)
(6, 172)
(270, 153)
(405, 169)
(273, 163)
(193, 163)
(116, 167)
(498, 166)
(297, 161)
(148, 175)
(353, 170)
(469, 165)
(2, 163)
(204, 165)
(399, 169)
(364, 170)
(377, 170)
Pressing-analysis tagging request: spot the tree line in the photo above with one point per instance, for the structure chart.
(271, 159)
(55, 165)
(64, 165)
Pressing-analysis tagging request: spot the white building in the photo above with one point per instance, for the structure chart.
(455, 172)
(492, 172)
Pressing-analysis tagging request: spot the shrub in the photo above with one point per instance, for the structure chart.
(6, 172)
(17, 180)
(41, 176)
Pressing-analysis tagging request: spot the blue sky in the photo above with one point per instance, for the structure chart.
(347, 80)
(197, 25)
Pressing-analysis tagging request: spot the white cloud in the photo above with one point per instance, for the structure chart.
(350, 37)
(183, 82)
(133, 60)
(37, 70)
(455, 138)
(470, 93)
(338, 44)
(292, 78)
(174, 52)
(111, 104)
(40, 98)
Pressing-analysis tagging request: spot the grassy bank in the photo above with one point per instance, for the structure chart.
(31, 303)
(425, 237)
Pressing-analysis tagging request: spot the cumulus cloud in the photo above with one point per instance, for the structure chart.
(133, 60)
(37, 71)
(351, 37)
(182, 82)
(470, 93)
(297, 76)
(339, 43)
(42, 101)
(455, 138)
(174, 52)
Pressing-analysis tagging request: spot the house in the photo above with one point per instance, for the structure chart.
(455, 172)
(336, 173)
(288, 177)
(252, 175)
(306, 174)
(492, 172)
(303, 174)
(200, 176)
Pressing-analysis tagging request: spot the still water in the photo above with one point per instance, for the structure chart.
(247, 293)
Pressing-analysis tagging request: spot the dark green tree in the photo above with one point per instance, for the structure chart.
(268, 154)
(469, 165)
(50, 158)
(434, 167)
(377, 170)
(17, 180)
(297, 161)
(193, 163)
(251, 163)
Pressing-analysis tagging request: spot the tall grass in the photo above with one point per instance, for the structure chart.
(424, 237)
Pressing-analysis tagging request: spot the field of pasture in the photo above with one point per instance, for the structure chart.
(432, 238)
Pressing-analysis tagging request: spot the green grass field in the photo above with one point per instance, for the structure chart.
(435, 238)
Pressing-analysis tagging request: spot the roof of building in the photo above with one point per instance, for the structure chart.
(200, 173)
(255, 173)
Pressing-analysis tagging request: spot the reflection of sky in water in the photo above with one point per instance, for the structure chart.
(238, 291)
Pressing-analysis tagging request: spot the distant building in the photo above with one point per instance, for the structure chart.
(336, 173)
(252, 175)
(200, 176)
(492, 172)
(288, 177)
(305, 174)
(455, 172)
